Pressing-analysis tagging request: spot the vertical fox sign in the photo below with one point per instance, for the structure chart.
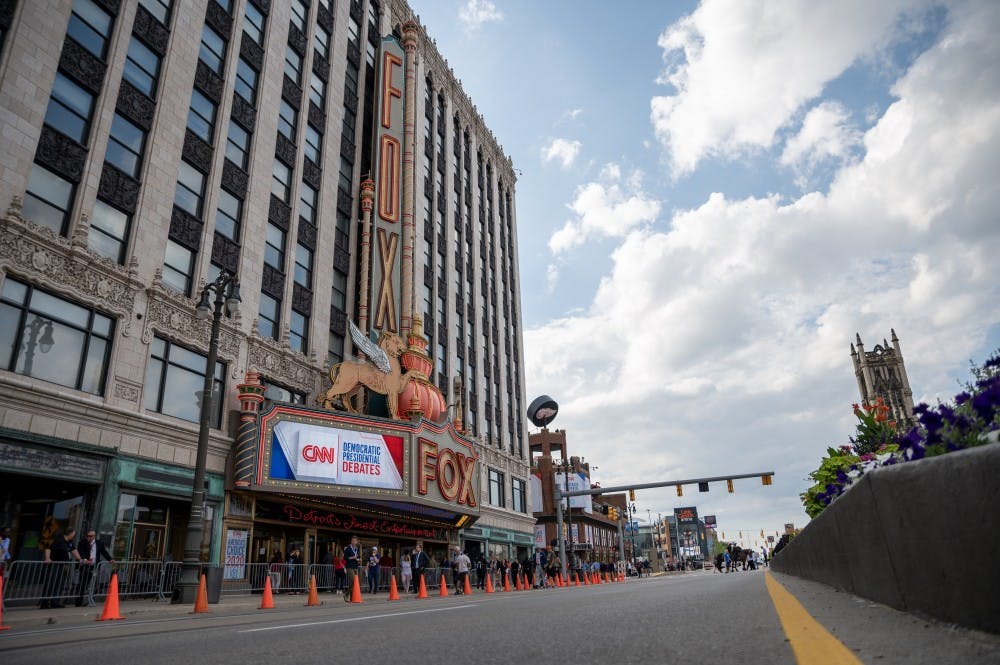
(387, 247)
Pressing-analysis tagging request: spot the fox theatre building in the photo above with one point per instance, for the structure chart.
(310, 479)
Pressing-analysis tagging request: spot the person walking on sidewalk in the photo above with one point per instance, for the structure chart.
(462, 564)
(352, 561)
(340, 571)
(91, 552)
(406, 570)
(60, 552)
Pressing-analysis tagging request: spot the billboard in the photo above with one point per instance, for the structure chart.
(573, 482)
(709, 521)
(334, 456)
(687, 515)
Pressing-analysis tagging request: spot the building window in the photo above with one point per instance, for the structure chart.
(288, 117)
(228, 216)
(48, 199)
(336, 347)
(274, 248)
(299, 13)
(346, 175)
(351, 85)
(201, 116)
(517, 495)
(313, 144)
(274, 392)
(298, 333)
(307, 203)
(175, 380)
(303, 265)
(237, 145)
(213, 49)
(125, 146)
(142, 68)
(49, 338)
(160, 9)
(178, 265)
(496, 489)
(108, 231)
(293, 65)
(321, 39)
(89, 26)
(317, 91)
(253, 24)
(69, 109)
(246, 81)
(281, 181)
(267, 316)
(190, 193)
(339, 299)
(350, 118)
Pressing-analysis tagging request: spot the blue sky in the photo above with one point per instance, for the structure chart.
(715, 197)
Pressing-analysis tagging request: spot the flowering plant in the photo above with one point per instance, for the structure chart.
(973, 420)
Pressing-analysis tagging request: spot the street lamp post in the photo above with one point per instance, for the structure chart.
(227, 300)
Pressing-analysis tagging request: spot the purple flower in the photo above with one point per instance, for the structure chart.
(992, 362)
(962, 398)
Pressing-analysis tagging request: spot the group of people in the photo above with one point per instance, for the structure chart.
(735, 558)
(87, 553)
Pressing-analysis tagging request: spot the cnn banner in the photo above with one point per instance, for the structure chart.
(318, 454)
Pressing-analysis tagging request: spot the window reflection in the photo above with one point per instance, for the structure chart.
(175, 379)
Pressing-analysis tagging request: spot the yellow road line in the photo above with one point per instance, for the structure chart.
(811, 643)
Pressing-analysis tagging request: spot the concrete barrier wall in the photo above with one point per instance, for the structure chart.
(922, 537)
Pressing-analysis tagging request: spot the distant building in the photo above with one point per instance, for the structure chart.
(881, 373)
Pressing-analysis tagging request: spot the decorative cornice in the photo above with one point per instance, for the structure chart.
(278, 363)
(40, 256)
(172, 315)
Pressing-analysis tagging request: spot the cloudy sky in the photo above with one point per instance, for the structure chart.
(715, 198)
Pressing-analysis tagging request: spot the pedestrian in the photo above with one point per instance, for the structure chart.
(728, 560)
(91, 552)
(339, 570)
(4, 549)
(373, 570)
(482, 570)
(293, 571)
(59, 552)
(419, 562)
(274, 569)
(513, 570)
(327, 569)
(406, 570)
(352, 562)
(462, 565)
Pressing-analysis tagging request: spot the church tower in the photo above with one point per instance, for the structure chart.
(880, 373)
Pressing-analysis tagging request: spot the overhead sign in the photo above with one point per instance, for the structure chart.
(688, 515)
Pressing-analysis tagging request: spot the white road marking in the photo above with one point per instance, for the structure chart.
(366, 618)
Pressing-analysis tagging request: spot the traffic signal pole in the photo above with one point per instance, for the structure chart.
(563, 494)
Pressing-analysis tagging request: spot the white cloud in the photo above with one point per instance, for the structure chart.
(741, 69)
(551, 278)
(826, 135)
(475, 13)
(563, 151)
(609, 208)
(721, 344)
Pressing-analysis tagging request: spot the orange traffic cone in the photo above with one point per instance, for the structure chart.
(576, 580)
(489, 583)
(267, 600)
(558, 580)
(524, 582)
(597, 579)
(443, 590)
(356, 591)
(110, 612)
(393, 591)
(506, 581)
(468, 587)
(313, 600)
(2, 627)
(517, 582)
(607, 578)
(201, 600)
(423, 588)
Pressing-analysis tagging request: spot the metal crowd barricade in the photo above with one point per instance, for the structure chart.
(30, 582)
(325, 579)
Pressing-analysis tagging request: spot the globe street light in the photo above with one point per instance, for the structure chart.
(227, 299)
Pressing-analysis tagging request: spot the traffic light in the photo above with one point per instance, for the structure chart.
(702, 487)
(604, 509)
(631, 495)
(680, 490)
(765, 480)
(762, 533)
(729, 485)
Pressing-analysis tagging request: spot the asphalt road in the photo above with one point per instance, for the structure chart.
(688, 618)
